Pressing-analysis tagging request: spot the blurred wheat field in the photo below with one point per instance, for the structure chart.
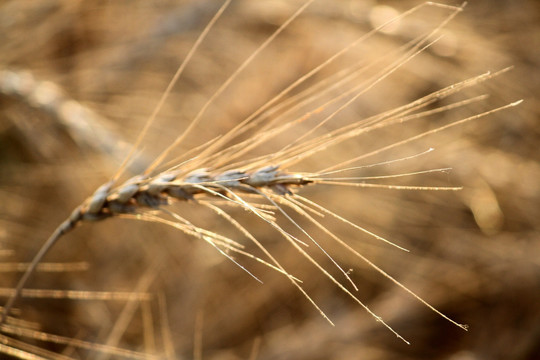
(142, 290)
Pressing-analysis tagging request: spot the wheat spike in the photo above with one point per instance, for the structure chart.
(223, 173)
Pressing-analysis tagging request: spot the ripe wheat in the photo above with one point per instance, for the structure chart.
(222, 172)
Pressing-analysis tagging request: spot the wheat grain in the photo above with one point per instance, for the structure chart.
(224, 173)
(86, 127)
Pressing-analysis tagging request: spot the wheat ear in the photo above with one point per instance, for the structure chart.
(213, 175)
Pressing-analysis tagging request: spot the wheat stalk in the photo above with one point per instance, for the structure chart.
(221, 174)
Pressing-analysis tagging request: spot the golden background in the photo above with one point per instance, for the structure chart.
(474, 253)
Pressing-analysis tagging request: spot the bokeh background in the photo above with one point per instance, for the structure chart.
(78, 79)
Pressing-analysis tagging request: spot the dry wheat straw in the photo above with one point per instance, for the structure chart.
(223, 174)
